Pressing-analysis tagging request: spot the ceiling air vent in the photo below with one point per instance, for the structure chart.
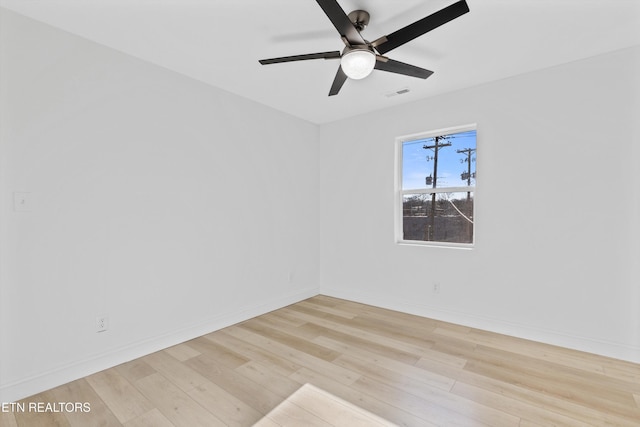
(397, 92)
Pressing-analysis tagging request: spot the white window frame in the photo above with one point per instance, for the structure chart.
(400, 192)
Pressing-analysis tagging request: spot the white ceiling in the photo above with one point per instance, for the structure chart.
(220, 41)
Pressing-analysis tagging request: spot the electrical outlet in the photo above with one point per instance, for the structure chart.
(436, 288)
(102, 323)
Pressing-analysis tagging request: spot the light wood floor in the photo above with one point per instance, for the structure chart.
(407, 370)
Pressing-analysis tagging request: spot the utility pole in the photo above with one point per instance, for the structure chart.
(468, 152)
(467, 175)
(435, 147)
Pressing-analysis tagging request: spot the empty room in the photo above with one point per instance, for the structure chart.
(319, 213)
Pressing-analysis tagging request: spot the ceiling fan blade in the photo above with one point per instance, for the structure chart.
(322, 55)
(341, 77)
(341, 21)
(398, 38)
(401, 68)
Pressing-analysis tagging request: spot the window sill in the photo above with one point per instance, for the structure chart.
(446, 245)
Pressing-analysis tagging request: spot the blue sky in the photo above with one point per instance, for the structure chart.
(415, 166)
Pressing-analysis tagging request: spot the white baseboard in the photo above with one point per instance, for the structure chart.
(82, 368)
(559, 338)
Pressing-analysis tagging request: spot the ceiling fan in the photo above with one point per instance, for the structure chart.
(360, 57)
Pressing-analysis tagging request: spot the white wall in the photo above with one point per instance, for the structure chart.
(556, 254)
(171, 206)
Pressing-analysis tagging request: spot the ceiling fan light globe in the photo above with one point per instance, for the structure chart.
(358, 63)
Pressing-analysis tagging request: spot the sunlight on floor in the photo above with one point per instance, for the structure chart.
(312, 406)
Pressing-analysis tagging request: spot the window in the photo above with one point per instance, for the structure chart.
(435, 186)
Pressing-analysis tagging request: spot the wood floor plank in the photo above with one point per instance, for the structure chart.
(456, 331)
(376, 406)
(421, 408)
(441, 400)
(529, 423)
(309, 331)
(175, 404)
(541, 367)
(266, 422)
(557, 355)
(327, 301)
(80, 391)
(288, 414)
(153, 418)
(362, 343)
(417, 350)
(290, 340)
(232, 410)
(122, 398)
(439, 358)
(431, 378)
(533, 414)
(332, 409)
(412, 321)
(182, 352)
(265, 377)
(219, 352)
(236, 384)
(394, 329)
(135, 370)
(624, 371)
(72, 404)
(175, 371)
(562, 385)
(455, 346)
(298, 356)
(252, 352)
(521, 392)
(7, 419)
(329, 310)
(38, 418)
(277, 322)
(285, 318)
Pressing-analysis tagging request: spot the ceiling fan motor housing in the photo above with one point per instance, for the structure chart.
(360, 19)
